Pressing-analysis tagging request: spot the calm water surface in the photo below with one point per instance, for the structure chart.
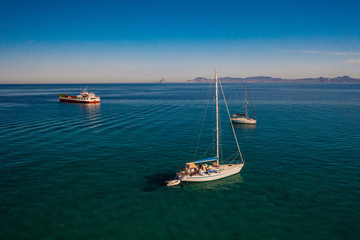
(70, 171)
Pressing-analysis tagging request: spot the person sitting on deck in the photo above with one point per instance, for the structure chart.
(191, 167)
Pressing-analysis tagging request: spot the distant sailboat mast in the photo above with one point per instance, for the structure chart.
(245, 102)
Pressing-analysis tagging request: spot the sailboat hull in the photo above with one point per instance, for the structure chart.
(243, 120)
(223, 172)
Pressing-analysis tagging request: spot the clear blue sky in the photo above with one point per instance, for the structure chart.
(142, 41)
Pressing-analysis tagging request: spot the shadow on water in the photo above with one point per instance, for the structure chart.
(157, 181)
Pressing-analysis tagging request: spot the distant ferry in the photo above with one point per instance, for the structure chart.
(84, 97)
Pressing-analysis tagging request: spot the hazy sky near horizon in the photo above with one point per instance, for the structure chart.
(145, 41)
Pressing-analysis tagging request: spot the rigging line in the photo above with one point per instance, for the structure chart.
(251, 103)
(202, 125)
(206, 152)
(233, 157)
(220, 135)
(232, 126)
(220, 143)
(232, 160)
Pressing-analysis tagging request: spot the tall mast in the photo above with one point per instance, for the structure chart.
(245, 102)
(217, 117)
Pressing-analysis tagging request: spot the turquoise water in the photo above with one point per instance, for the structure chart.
(70, 171)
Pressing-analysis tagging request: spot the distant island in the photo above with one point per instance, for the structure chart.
(264, 79)
(160, 81)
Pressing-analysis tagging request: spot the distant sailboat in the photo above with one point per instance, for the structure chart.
(199, 171)
(243, 117)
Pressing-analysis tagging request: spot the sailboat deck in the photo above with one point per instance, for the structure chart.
(213, 174)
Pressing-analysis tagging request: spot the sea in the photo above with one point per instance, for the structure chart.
(98, 171)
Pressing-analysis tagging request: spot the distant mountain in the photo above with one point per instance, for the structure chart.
(265, 79)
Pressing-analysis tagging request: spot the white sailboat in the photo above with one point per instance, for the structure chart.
(200, 171)
(244, 117)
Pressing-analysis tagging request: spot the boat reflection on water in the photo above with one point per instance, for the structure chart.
(219, 185)
(92, 113)
(244, 126)
(90, 107)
